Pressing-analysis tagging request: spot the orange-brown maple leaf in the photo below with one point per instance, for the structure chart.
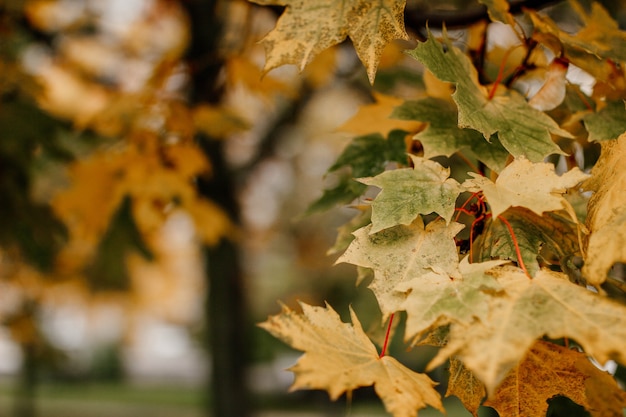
(550, 370)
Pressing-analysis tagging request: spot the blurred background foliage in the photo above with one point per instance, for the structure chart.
(153, 184)
(135, 139)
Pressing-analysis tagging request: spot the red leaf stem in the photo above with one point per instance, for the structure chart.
(520, 261)
(471, 236)
(384, 351)
(500, 76)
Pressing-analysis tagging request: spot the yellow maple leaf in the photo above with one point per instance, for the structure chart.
(374, 117)
(187, 159)
(217, 122)
(437, 88)
(322, 68)
(212, 223)
(87, 206)
(606, 216)
(240, 70)
(535, 186)
(549, 304)
(156, 177)
(308, 27)
(339, 358)
(416, 251)
(392, 55)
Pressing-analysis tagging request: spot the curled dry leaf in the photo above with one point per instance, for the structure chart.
(552, 92)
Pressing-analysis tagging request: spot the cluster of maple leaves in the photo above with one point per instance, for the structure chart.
(506, 269)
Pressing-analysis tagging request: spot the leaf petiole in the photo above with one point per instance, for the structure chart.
(518, 253)
(384, 351)
(500, 76)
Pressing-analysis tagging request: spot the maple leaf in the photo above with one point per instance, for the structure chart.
(217, 122)
(608, 123)
(606, 247)
(344, 192)
(550, 370)
(402, 253)
(522, 130)
(409, 192)
(436, 299)
(339, 358)
(368, 154)
(591, 48)
(599, 35)
(442, 136)
(523, 183)
(547, 305)
(499, 11)
(606, 217)
(464, 385)
(88, 206)
(242, 71)
(365, 156)
(375, 117)
(152, 177)
(307, 28)
(344, 233)
(550, 233)
(552, 92)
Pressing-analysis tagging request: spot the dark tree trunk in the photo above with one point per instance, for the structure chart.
(24, 405)
(226, 307)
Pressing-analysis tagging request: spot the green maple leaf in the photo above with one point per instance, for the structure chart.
(522, 130)
(608, 123)
(409, 192)
(346, 190)
(402, 253)
(435, 299)
(338, 357)
(549, 233)
(442, 136)
(365, 156)
(528, 309)
(308, 27)
(344, 233)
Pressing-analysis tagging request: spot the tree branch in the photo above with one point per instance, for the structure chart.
(419, 16)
